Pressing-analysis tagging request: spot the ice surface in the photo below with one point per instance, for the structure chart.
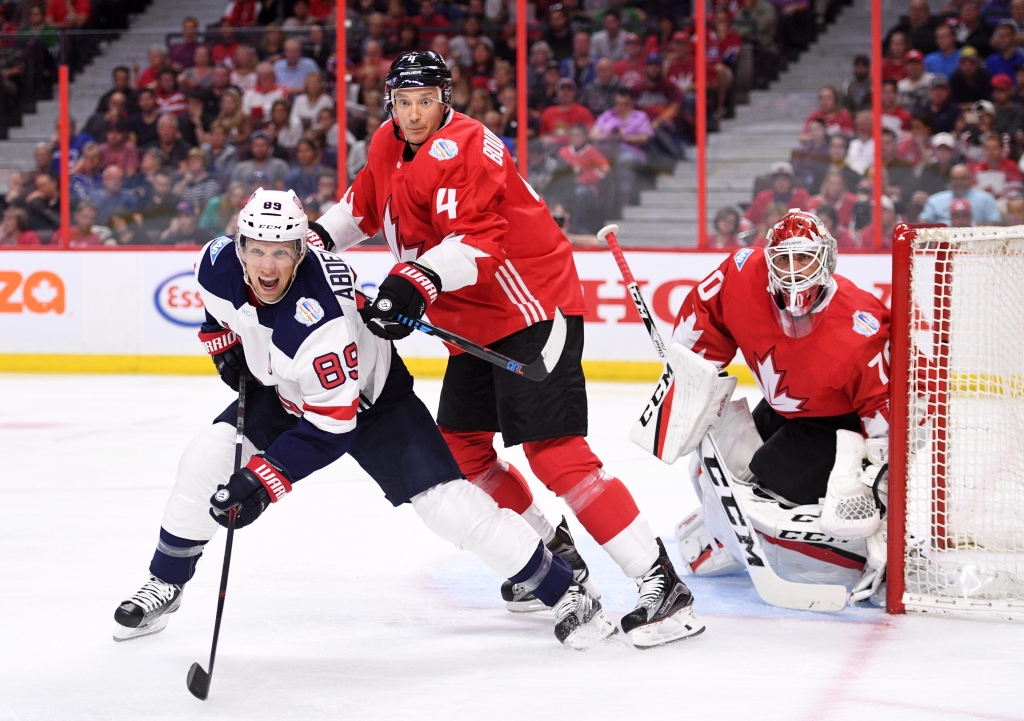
(341, 607)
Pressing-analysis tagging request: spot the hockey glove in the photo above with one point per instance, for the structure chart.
(409, 289)
(250, 489)
(318, 237)
(225, 347)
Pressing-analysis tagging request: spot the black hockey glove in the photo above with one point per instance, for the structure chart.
(317, 235)
(225, 347)
(250, 489)
(409, 289)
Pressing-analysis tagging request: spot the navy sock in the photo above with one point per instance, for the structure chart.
(175, 558)
(547, 575)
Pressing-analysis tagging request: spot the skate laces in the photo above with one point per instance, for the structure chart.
(570, 602)
(153, 594)
(652, 587)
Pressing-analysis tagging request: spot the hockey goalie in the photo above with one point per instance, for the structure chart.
(809, 461)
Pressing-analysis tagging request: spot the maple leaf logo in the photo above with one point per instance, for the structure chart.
(44, 292)
(770, 381)
(686, 333)
(394, 237)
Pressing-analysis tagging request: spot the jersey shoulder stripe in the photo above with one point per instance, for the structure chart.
(224, 279)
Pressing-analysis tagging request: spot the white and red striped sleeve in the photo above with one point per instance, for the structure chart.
(326, 367)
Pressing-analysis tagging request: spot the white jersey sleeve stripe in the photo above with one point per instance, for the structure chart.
(526, 291)
(504, 286)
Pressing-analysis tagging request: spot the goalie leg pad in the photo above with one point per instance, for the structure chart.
(849, 509)
(701, 551)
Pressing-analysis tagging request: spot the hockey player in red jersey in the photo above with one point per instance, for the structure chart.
(478, 250)
(812, 450)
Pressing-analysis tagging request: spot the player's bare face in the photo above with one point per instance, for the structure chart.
(269, 267)
(800, 265)
(419, 113)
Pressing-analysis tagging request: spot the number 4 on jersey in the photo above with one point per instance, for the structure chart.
(446, 202)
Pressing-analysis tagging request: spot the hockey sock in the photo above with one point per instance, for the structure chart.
(546, 575)
(568, 467)
(175, 558)
(475, 454)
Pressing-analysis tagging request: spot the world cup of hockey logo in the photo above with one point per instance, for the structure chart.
(222, 495)
(384, 304)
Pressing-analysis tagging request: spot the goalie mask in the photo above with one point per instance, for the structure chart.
(801, 256)
(272, 216)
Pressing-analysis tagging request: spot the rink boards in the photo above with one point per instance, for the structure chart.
(126, 311)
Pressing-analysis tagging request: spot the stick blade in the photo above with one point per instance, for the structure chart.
(823, 598)
(539, 369)
(198, 682)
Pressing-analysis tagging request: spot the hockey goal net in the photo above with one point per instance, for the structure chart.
(956, 483)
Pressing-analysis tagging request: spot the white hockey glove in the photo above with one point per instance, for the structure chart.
(690, 399)
(849, 510)
(874, 569)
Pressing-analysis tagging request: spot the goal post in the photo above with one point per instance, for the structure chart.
(956, 463)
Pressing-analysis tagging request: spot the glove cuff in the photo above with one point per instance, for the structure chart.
(274, 478)
(427, 282)
(219, 340)
(318, 237)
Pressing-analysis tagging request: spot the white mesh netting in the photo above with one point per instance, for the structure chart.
(965, 471)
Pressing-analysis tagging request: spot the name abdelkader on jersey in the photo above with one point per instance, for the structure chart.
(311, 345)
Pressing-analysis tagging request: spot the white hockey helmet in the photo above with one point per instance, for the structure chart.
(273, 216)
(801, 256)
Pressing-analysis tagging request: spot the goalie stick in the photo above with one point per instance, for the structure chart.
(536, 370)
(198, 680)
(773, 590)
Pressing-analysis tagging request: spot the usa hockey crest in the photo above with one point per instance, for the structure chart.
(308, 311)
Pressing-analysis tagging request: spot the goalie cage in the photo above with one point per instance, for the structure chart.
(956, 478)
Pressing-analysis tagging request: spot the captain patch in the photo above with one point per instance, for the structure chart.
(308, 311)
(865, 323)
(741, 257)
(217, 246)
(444, 149)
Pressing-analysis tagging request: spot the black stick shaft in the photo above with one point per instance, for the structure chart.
(464, 344)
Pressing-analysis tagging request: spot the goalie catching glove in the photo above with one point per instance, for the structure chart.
(408, 290)
(250, 489)
(690, 400)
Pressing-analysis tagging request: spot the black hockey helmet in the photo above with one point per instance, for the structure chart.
(420, 69)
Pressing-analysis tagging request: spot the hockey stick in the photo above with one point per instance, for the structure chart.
(198, 679)
(773, 590)
(537, 370)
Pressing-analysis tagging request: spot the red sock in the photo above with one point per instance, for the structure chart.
(475, 454)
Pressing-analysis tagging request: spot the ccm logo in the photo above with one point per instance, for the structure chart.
(271, 481)
(41, 292)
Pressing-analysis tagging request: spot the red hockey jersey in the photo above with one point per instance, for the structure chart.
(460, 207)
(841, 367)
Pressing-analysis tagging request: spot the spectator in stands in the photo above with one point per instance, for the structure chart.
(182, 54)
(579, 66)
(835, 117)
(480, 104)
(556, 120)
(996, 173)
(290, 71)
(589, 168)
(773, 213)
(946, 60)
(971, 29)
(830, 217)
(194, 122)
(282, 127)
(227, 42)
(38, 29)
(961, 185)
(757, 21)
(913, 89)
(889, 219)
(326, 189)
(68, 14)
(14, 229)
(116, 111)
(17, 187)
(1008, 56)
(631, 70)
(220, 80)
(662, 102)
(121, 78)
(408, 37)
(184, 228)
(919, 26)
(1009, 116)
(143, 126)
(727, 225)
(599, 94)
(300, 19)
(199, 75)
(729, 42)
(811, 158)
(941, 105)
(482, 70)
(935, 172)
(971, 82)
(196, 185)
(1014, 213)
(856, 92)
(783, 191)
(157, 60)
(312, 101)
(892, 63)
(960, 214)
(84, 232)
(302, 178)
(539, 61)
(894, 116)
(629, 131)
(220, 210)
(141, 184)
(861, 154)
(462, 44)
(835, 194)
(914, 147)
(75, 147)
(222, 155)
(559, 34)
(429, 22)
(42, 154)
(1017, 17)
(233, 118)
(43, 205)
(242, 13)
(119, 150)
(682, 72)
(899, 175)
(85, 175)
(271, 47)
(170, 142)
(110, 195)
(243, 69)
(611, 41)
(169, 98)
(261, 170)
(257, 101)
(159, 209)
(316, 46)
(124, 230)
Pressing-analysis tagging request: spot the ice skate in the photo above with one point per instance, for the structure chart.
(519, 600)
(579, 622)
(664, 612)
(145, 613)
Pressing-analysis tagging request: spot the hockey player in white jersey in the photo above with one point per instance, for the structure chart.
(286, 314)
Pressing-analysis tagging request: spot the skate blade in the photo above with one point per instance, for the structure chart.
(531, 606)
(123, 633)
(680, 625)
(592, 633)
